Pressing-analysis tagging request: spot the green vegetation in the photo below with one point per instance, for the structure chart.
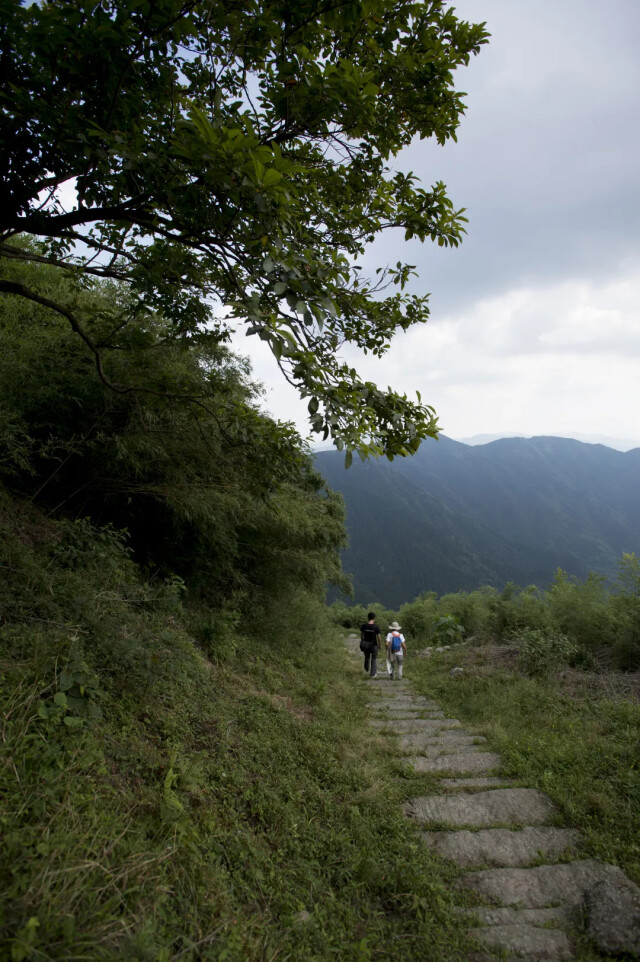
(187, 769)
(540, 681)
(208, 488)
(231, 168)
(456, 517)
(583, 623)
(160, 805)
(187, 773)
(573, 736)
(184, 774)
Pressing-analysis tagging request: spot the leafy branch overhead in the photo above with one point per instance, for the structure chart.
(232, 163)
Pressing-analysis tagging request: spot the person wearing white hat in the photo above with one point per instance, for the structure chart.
(396, 649)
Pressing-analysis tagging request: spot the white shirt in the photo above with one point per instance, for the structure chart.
(390, 636)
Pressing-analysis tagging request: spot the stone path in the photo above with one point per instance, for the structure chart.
(516, 859)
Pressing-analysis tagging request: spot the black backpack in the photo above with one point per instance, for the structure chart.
(370, 638)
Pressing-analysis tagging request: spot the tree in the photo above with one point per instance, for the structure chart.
(231, 162)
(210, 489)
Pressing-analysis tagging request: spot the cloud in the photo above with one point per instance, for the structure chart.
(559, 358)
(536, 318)
(562, 357)
(547, 156)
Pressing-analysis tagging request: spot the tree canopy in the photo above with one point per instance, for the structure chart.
(232, 162)
(206, 486)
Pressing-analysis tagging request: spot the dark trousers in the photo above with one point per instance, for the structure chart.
(371, 660)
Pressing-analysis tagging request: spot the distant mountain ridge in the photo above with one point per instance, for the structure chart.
(618, 444)
(455, 517)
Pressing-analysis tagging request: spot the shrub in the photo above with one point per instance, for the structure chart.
(470, 609)
(543, 652)
(625, 604)
(418, 618)
(517, 608)
(582, 611)
(447, 630)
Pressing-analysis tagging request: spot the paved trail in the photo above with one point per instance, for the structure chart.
(504, 837)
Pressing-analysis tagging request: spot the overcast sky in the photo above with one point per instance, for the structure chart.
(535, 325)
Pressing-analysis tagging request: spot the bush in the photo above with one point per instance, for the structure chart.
(447, 630)
(625, 604)
(516, 608)
(418, 618)
(582, 611)
(543, 652)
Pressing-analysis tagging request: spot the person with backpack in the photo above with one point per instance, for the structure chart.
(396, 649)
(370, 643)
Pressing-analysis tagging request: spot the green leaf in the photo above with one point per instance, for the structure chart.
(72, 722)
(250, 169)
(271, 177)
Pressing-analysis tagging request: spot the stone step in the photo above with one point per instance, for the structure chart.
(502, 846)
(431, 726)
(542, 886)
(447, 743)
(452, 736)
(471, 784)
(522, 806)
(560, 916)
(457, 762)
(406, 714)
(525, 940)
(418, 703)
(382, 680)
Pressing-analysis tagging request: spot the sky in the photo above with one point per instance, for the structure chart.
(535, 319)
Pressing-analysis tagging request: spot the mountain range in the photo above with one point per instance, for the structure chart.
(455, 516)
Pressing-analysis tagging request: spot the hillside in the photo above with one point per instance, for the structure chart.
(457, 517)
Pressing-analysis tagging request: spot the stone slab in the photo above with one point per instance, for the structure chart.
(447, 736)
(435, 736)
(382, 680)
(429, 725)
(526, 940)
(502, 846)
(452, 736)
(613, 917)
(413, 702)
(523, 806)
(471, 784)
(542, 886)
(558, 916)
(406, 714)
(462, 762)
(446, 744)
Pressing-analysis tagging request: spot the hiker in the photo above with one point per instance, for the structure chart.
(370, 643)
(396, 649)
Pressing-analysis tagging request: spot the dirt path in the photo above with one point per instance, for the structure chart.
(505, 837)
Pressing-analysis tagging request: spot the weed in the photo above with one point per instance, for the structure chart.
(163, 806)
(577, 745)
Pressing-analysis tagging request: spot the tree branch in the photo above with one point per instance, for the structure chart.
(8, 250)
(21, 290)
(55, 225)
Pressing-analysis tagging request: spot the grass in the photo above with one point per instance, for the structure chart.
(577, 743)
(159, 806)
(244, 812)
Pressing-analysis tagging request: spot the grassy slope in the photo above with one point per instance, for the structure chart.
(577, 744)
(158, 806)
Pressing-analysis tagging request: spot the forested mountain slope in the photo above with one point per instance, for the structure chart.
(456, 517)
